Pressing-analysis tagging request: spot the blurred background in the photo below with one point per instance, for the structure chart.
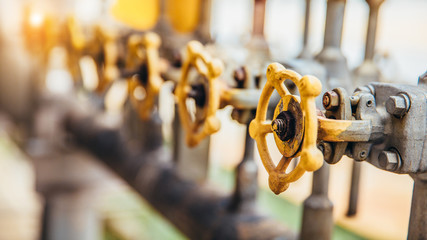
(384, 204)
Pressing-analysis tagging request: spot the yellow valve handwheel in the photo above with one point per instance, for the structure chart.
(311, 156)
(151, 42)
(211, 69)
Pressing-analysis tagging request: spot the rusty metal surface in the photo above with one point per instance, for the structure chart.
(397, 116)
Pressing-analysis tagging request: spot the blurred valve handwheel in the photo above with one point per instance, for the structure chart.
(210, 69)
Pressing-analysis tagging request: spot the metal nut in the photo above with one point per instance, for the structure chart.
(389, 160)
(397, 105)
(331, 100)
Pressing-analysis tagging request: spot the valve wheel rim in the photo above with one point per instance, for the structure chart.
(211, 69)
(311, 157)
(151, 42)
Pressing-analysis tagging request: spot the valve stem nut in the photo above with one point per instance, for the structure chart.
(389, 160)
(279, 126)
(331, 100)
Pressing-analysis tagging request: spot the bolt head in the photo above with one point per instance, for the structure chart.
(396, 105)
(388, 160)
(331, 100)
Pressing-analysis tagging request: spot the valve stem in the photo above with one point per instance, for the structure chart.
(279, 126)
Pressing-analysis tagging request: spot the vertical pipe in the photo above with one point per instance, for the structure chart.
(354, 189)
(418, 220)
(305, 53)
(259, 52)
(374, 6)
(334, 23)
(204, 27)
(331, 56)
(191, 163)
(246, 184)
(148, 133)
(317, 221)
(368, 71)
(259, 18)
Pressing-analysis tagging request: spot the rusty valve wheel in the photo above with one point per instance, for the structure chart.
(151, 43)
(211, 69)
(294, 126)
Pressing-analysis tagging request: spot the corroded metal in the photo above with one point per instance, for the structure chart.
(394, 139)
(342, 130)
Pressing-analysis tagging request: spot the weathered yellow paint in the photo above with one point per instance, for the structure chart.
(311, 156)
(332, 130)
(210, 68)
(184, 15)
(288, 150)
(151, 43)
(139, 14)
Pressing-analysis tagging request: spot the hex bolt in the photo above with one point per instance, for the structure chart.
(331, 100)
(389, 160)
(398, 105)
